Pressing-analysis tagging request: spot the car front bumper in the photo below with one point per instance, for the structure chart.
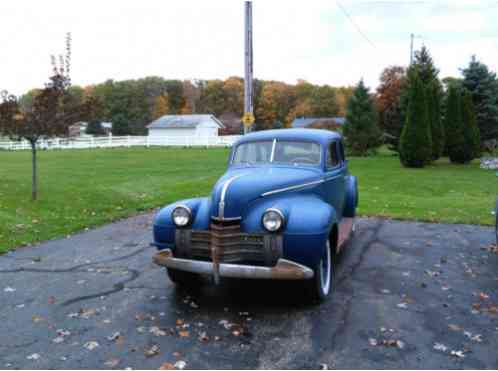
(283, 270)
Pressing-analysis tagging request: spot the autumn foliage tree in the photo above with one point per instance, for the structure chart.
(161, 106)
(49, 114)
(392, 81)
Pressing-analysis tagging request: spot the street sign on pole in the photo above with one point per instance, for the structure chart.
(248, 118)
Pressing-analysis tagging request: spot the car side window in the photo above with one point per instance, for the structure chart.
(332, 155)
(341, 152)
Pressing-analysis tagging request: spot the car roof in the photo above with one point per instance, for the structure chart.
(315, 135)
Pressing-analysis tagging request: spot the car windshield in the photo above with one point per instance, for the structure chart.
(280, 152)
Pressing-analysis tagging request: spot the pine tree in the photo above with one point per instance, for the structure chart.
(483, 85)
(457, 149)
(361, 129)
(424, 64)
(416, 143)
(471, 130)
(433, 98)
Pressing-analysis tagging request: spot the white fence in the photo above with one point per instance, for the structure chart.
(126, 141)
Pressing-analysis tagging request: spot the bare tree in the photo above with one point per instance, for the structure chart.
(49, 114)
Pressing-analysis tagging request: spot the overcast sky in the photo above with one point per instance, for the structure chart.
(312, 40)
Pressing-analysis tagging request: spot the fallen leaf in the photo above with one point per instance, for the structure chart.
(91, 345)
(483, 296)
(458, 353)
(203, 337)
(454, 327)
(372, 342)
(180, 365)
(37, 319)
(112, 363)
(58, 340)
(179, 322)
(153, 350)
(156, 331)
(184, 334)
(167, 366)
(236, 333)
(441, 347)
(114, 336)
(177, 354)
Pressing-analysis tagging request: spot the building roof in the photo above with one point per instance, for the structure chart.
(182, 121)
(315, 135)
(302, 122)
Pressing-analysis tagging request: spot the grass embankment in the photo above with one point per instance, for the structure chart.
(85, 188)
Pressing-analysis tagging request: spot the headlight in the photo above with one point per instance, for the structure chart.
(181, 216)
(273, 220)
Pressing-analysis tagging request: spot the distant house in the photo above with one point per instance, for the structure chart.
(232, 123)
(185, 125)
(78, 129)
(107, 127)
(330, 123)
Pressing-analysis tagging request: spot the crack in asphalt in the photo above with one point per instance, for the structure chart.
(75, 268)
(116, 288)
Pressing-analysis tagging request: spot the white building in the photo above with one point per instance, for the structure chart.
(185, 126)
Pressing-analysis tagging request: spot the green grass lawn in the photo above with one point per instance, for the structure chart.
(85, 188)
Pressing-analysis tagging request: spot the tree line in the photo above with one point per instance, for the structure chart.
(132, 104)
(422, 117)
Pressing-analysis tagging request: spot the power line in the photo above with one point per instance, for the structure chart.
(354, 23)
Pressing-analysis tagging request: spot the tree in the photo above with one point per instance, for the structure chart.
(470, 130)
(392, 82)
(276, 100)
(415, 146)
(483, 85)
(234, 95)
(212, 97)
(424, 64)
(51, 111)
(458, 150)
(361, 129)
(161, 106)
(433, 99)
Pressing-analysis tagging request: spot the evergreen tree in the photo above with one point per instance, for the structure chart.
(433, 98)
(471, 130)
(416, 143)
(483, 86)
(361, 129)
(457, 149)
(424, 64)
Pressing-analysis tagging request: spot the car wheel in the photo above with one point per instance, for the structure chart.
(182, 278)
(321, 285)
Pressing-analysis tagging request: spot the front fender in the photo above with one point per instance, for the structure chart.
(164, 228)
(308, 224)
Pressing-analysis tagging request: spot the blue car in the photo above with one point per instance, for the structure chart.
(283, 210)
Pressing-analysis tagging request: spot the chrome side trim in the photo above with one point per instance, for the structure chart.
(273, 150)
(291, 188)
(221, 205)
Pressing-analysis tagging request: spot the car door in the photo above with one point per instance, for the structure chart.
(335, 171)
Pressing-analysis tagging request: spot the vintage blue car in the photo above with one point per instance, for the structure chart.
(283, 210)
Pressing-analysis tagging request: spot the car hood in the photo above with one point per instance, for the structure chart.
(239, 186)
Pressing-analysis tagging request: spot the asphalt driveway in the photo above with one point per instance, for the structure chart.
(408, 295)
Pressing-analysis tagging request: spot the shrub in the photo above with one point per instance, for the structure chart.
(415, 142)
(361, 129)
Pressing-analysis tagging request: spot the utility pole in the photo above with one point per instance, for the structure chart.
(248, 118)
(411, 48)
